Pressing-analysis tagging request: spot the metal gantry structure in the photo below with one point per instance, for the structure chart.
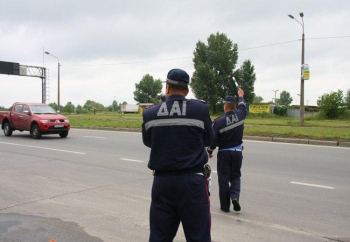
(35, 71)
(11, 68)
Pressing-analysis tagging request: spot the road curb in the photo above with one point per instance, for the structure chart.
(299, 141)
(344, 144)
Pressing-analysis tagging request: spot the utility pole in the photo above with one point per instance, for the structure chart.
(302, 64)
(275, 95)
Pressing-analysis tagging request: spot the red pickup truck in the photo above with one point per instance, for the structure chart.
(37, 118)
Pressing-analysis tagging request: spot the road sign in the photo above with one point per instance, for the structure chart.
(305, 71)
(9, 68)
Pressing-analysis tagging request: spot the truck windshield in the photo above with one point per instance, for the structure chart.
(42, 109)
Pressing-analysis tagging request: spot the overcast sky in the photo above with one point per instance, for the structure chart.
(105, 47)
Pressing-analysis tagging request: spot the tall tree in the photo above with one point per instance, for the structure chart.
(215, 64)
(69, 108)
(79, 109)
(285, 98)
(148, 90)
(246, 78)
(92, 105)
(114, 107)
(54, 105)
(258, 99)
(347, 99)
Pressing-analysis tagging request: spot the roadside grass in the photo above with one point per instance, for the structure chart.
(269, 126)
(306, 132)
(106, 120)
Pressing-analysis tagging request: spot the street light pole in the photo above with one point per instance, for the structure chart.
(58, 81)
(275, 94)
(302, 63)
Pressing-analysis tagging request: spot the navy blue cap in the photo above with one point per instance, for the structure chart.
(178, 77)
(230, 99)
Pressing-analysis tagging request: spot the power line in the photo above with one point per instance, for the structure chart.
(186, 57)
(337, 37)
(261, 46)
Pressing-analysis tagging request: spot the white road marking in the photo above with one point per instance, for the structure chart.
(95, 137)
(131, 160)
(44, 148)
(311, 185)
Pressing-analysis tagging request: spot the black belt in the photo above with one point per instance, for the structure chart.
(179, 172)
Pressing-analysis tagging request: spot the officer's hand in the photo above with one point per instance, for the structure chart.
(240, 92)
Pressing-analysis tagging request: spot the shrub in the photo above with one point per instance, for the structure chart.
(280, 110)
(332, 104)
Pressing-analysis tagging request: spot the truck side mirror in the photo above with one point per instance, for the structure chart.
(26, 112)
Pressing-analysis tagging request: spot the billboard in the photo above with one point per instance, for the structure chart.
(9, 68)
(259, 108)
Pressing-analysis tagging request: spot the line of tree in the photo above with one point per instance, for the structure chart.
(215, 68)
(331, 105)
(89, 106)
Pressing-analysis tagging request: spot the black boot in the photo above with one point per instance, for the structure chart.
(236, 205)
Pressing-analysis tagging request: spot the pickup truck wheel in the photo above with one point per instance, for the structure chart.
(35, 131)
(63, 134)
(7, 129)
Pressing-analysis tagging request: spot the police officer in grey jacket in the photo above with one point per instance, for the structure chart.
(228, 137)
(177, 131)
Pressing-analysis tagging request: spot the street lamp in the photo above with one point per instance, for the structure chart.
(275, 94)
(302, 63)
(58, 81)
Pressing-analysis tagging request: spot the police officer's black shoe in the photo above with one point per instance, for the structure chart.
(225, 210)
(236, 205)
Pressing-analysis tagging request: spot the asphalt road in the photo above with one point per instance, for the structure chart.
(95, 186)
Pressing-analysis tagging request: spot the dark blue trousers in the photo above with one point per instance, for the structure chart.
(180, 198)
(229, 165)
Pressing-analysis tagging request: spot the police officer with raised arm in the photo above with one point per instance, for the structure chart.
(228, 137)
(177, 131)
